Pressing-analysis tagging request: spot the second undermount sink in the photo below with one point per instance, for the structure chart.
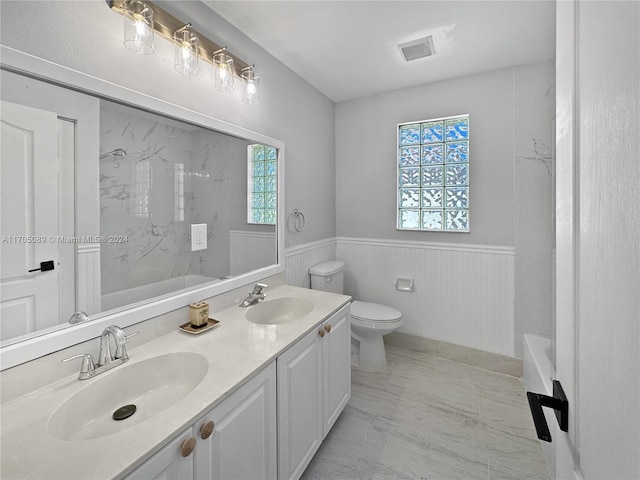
(152, 385)
(279, 310)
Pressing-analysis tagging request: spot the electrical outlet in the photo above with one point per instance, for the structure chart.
(198, 236)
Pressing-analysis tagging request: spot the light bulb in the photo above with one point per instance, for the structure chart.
(138, 27)
(251, 85)
(185, 52)
(224, 71)
(251, 88)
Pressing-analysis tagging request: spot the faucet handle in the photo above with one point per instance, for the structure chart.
(121, 349)
(132, 334)
(87, 368)
(258, 287)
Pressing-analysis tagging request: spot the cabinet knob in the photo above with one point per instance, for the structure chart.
(206, 429)
(188, 446)
(321, 332)
(327, 327)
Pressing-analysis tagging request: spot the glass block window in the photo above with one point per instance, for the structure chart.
(141, 189)
(262, 175)
(433, 175)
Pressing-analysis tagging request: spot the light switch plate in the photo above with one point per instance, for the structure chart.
(198, 236)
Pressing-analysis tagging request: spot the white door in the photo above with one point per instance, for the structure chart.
(29, 219)
(598, 238)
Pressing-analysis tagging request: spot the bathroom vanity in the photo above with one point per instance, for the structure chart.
(245, 400)
(253, 397)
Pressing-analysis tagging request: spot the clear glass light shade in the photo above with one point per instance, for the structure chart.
(223, 72)
(251, 86)
(138, 27)
(186, 58)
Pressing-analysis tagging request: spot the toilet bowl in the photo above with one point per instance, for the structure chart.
(369, 321)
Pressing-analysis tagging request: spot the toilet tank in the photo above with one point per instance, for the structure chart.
(328, 276)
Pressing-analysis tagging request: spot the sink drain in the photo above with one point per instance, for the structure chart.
(124, 412)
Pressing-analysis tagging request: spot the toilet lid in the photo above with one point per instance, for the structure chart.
(374, 312)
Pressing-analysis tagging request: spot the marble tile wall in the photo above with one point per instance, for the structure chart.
(173, 175)
(207, 184)
(534, 112)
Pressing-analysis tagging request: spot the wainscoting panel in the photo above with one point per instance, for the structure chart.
(88, 278)
(464, 294)
(248, 250)
(300, 258)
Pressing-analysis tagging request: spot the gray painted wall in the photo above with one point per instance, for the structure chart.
(366, 157)
(511, 121)
(87, 36)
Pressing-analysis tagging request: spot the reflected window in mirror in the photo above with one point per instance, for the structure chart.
(262, 174)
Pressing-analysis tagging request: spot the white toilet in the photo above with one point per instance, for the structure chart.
(369, 321)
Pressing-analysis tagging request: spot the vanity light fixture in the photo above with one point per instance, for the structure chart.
(138, 27)
(251, 85)
(223, 63)
(142, 19)
(186, 58)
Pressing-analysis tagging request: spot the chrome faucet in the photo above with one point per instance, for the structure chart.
(106, 360)
(255, 296)
(105, 357)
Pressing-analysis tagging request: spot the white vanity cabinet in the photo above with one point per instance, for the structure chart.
(314, 386)
(168, 463)
(242, 444)
(336, 367)
(241, 438)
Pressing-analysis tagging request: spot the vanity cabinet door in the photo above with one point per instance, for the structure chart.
(336, 367)
(299, 405)
(243, 442)
(169, 463)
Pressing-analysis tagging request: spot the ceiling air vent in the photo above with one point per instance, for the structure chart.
(423, 47)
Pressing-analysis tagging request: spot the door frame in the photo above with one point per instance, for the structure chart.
(567, 232)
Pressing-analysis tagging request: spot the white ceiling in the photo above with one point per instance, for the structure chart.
(348, 49)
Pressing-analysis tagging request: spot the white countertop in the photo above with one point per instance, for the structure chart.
(236, 350)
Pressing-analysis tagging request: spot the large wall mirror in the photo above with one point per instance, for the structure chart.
(121, 206)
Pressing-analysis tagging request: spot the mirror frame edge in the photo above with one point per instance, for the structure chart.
(41, 345)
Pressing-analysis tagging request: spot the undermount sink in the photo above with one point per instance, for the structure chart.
(279, 310)
(152, 385)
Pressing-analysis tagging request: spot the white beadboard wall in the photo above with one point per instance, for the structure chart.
(464, 294)
(88, 286)
(248, 250)
(298, 260)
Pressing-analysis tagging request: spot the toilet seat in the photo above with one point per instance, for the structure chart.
(374, 312)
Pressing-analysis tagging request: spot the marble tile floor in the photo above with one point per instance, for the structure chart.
(431, 418)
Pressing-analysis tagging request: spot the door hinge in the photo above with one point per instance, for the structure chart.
(558, 402)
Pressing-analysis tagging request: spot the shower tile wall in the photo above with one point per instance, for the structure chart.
(172, 176)
(534, 111)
